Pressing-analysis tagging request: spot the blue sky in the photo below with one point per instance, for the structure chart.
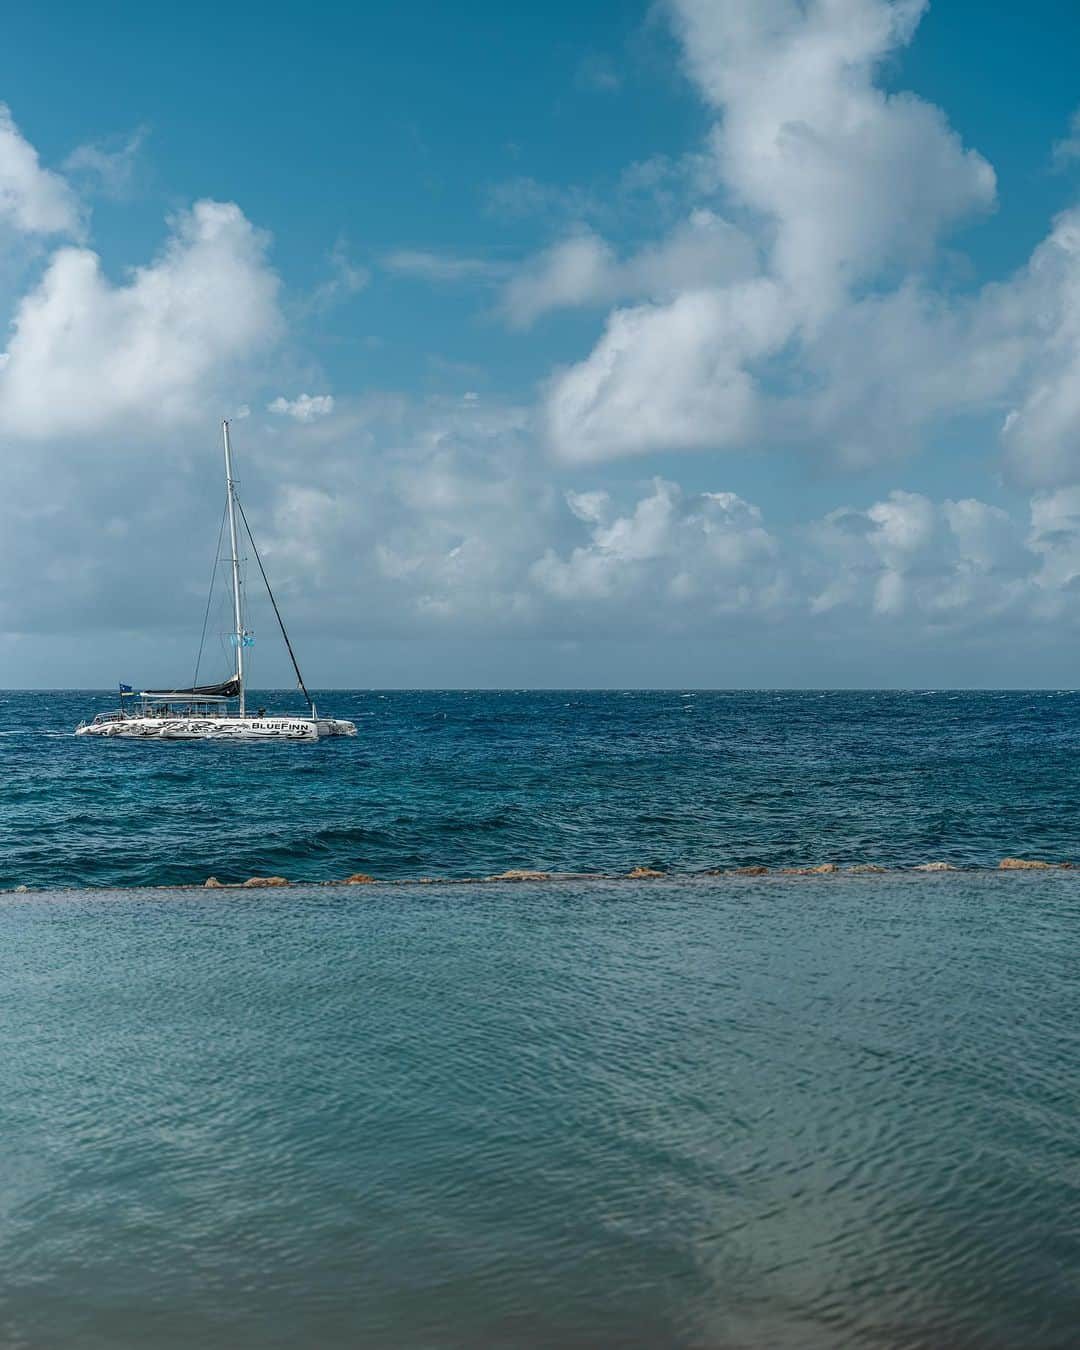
(708, 342)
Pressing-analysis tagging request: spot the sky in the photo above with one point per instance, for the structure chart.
(700, 343)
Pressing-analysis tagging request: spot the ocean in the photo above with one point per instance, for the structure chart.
(459, 784)
(698, 1110)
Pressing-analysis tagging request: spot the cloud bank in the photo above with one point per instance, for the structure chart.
(796, 300)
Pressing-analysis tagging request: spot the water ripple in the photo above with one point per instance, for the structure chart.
(819, 1115)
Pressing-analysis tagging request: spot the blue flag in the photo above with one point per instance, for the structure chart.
(126, 689)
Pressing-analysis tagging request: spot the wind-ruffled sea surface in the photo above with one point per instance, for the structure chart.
(462, 784)
(804, 1112)
(801, 1112)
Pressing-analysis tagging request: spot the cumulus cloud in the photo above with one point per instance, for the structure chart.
(306, 408)
(434, 518)
(422, 518)
(791, 300)
(851, 178)
(810, 313)
(846, 190)
(953, 561)
(437, 519)
(669, 377)
(708, 553)
(1042, 433)
(1054, 538)
(694, 563)
(704, 250)
(33, 200)
(86, 353)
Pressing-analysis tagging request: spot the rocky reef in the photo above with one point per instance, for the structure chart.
(639, 873)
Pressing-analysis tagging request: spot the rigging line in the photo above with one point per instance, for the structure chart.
(210, 596)
(277, 612)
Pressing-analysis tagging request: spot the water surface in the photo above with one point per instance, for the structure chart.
(467, 783)
(813, 1112)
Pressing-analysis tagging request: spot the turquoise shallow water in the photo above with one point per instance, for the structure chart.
(466, 783)
(810, 1112)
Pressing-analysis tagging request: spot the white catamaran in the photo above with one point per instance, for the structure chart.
(218, 711)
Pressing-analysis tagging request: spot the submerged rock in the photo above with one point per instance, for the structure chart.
(1021, 864)
(520, 874)
(211, 881)
(266, 881)
(645, 872)
(753, 871)
(933, 867)
(358, 879)
(865, 867)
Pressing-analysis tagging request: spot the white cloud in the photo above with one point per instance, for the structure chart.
(428, 266)
(853, 178)
(669, 377)
(883, 368)
(434, 517)
(584, 270)
(86, 354)
(1042, 434)
(908, 556)
(674, 561)
(703, 250)
(347, 278)
(109, 167)
(1067, 150)
(815, 321)
(1054, 538)
(707, 551)
(845, 188)
(306, 408)
(592, 507)
(574, 272)
(390, 521)
(33, 199)
(524, 196)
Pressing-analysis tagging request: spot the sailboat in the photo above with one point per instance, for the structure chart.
(218, 711)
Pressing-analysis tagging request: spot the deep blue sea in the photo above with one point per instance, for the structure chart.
(457, 784)
(707, 1112)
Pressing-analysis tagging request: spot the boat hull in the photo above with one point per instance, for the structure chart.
(220, 728)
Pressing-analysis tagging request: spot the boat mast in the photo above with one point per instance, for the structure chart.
(238, 617)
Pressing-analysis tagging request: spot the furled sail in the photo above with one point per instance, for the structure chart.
(229, 689)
